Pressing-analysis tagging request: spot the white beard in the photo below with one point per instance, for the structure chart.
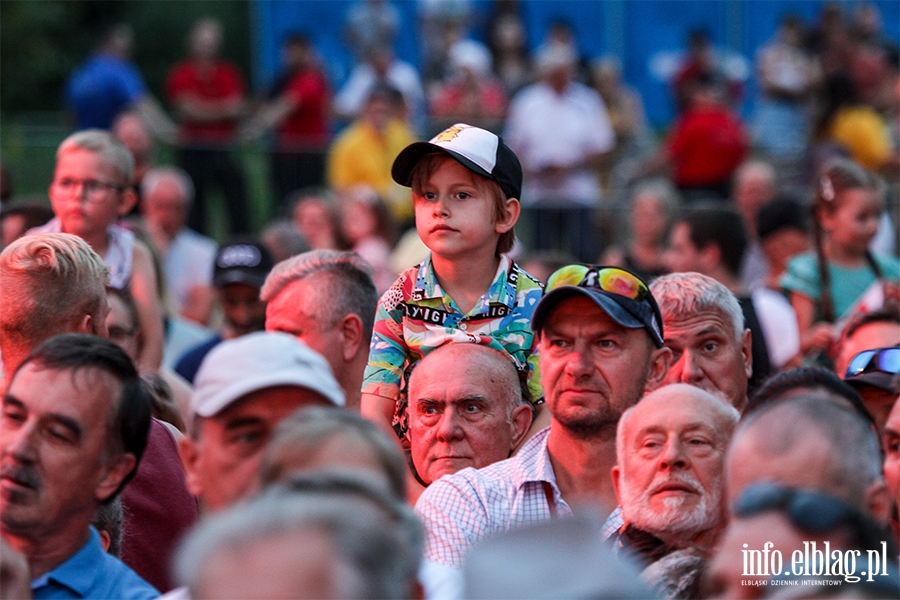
(674, 518)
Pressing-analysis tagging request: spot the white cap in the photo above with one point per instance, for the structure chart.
(257, 361)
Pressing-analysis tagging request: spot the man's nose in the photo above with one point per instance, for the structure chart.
(580, 363)
(449, 428)
(687, 368)
(673, 455)
(19, 443)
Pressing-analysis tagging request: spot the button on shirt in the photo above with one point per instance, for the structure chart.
(415, 316)
(92, 573)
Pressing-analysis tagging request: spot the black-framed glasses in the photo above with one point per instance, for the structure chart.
(807, 510)
(93, 190)
(886, 360)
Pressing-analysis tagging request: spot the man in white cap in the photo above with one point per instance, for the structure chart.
(244, 388)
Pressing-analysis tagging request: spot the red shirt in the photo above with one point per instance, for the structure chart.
(307, 125)
(706, 147)
(223, 82)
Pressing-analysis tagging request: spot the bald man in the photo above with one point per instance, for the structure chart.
(465, 410)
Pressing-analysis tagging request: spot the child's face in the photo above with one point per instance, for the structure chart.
(855, 221)
(82, 211)
(453, 217)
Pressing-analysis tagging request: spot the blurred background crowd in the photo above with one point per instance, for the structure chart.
(283, 118)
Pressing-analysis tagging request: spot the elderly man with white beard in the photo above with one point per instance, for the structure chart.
(670, 455)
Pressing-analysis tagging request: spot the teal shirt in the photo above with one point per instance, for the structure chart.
(847, 285)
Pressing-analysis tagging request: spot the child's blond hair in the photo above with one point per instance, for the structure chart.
(429, 164)
(114, 152)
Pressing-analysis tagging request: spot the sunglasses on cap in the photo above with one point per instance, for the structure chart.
(624, 288)
(807, 510)
(886, 360)
(609, 279)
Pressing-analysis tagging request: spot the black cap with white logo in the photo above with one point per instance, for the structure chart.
(242, 260)
(476, 149)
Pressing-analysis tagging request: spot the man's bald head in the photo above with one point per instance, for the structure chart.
(465, 409)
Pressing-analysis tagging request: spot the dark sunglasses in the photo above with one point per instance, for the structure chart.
(807, 510)
(886, 360)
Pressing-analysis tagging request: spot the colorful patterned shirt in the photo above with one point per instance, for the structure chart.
(415, 316)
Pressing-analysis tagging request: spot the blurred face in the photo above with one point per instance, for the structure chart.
(460, 415)
(244, 311)
(358, 221)
(122, 329)
(648, 218)
(223, 462)
(891, 446)
(313, 220)
(670, 477)
(592, 368)
(707, 354)
(276, 566)
(854, 223)
(297, 310)
(164, 207)
(341, 451)
(454, 216)
(783, 245)
(880, 334)
(724, 575)
(751, 191)
(54, 470)
(87, 193)
(683, 256)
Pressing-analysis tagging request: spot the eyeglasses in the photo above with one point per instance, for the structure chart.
(92, 189)
(609, 279)
(886, 360)
(807, 510)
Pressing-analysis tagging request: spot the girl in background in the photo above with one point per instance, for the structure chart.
(825, 286)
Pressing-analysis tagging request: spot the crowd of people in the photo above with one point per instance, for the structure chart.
(322, 409)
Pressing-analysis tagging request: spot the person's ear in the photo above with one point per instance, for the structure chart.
(351, 329)
(616, 473)
(659, 366)
(115, 471)
(520, 422)
(878, 502)
(747, 352)
(86, 325)
(127, 200)
(105, 539)
(513, 208)
(189, 450)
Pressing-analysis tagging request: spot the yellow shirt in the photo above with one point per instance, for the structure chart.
(361, 155)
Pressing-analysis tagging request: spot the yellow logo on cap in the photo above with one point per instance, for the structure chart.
(449, 133)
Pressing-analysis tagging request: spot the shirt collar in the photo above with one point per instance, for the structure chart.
(427, 286)
(79, 572)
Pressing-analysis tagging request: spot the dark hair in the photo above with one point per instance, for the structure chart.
(128, 424)
(721, 226)
(839, 91)
(778, 386)
(838, 176)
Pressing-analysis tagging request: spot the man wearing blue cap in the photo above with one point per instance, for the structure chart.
(601, 346)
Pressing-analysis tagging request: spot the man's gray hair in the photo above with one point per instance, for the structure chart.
(855, 452)
(308, 430)
(106, 145)
(176, 175)
(681, 295)
(377, 539)
(50, 280)
(349, 288)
